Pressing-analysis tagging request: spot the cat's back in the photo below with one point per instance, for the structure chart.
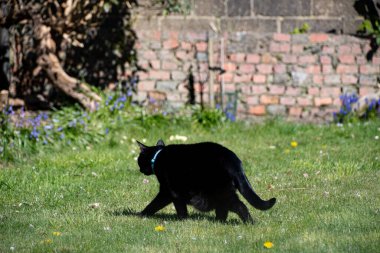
(203, 151)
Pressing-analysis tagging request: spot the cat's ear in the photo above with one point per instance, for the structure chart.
(160, 143)
(142, 146)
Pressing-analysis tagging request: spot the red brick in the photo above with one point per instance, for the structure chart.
(367, 47)
(344, 49)
(279, 68)
(266, 99)
(159, 75)
(259, 78)
(356, 49)
(193, 36)
(246, 89)
(376, 60)
(274, 47)
(169, 65)
(146, 85)
(325, 59)
(268, 58)
(307, 59)
(318, 79)
(276, 89)
(347, 58)
(285, 48)
(253, 58)
(258, 110)
(171, 44)
(327, 69)
(361, 59)
(297, 49)
(173, 35)
(246, 68)
(331, 79)
(149, 55)
(202, 67)
(349, 79)
(239, 57)
(253, 100)
(281, 37)
(322, 101)
(228, 87)
(143, 75)
(289, 58)
(183, 55)
(366, 90)
(229, 66)
(259, 89)
(313, 91)
(245, 78)
(318, 37)
(328, 49)
(346, 69)
(304, 101)
(330, 91)
(264, 68)
(369, 69)
(201, 46)
(337, 102)
(186, 45)
(295, 111)
(313, 69)
(227, 77)
(293, 91)
(155, 64)
(287, 101)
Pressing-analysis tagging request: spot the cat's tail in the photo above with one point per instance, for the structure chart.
(250, 195)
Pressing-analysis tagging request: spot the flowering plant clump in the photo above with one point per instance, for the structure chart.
(26, 131)
(354, 108)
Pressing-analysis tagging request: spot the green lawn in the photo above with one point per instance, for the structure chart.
(327, 190)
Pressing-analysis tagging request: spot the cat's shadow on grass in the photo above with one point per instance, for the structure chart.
(174, 217)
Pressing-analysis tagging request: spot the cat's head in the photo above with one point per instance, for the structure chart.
(146, 155)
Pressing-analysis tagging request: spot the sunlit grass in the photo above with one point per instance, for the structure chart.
(327, 188)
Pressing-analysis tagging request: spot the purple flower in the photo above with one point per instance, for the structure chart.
(107, 131)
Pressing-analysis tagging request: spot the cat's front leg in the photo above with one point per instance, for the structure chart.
(160, 201)
(181, 208)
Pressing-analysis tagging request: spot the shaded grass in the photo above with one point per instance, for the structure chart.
(327, 190)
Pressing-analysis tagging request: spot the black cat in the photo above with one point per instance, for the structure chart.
(204, 175)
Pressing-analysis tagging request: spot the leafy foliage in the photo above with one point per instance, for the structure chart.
(301, 30)
(372, 30)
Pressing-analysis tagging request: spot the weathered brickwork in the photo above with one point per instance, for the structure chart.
(295, 76)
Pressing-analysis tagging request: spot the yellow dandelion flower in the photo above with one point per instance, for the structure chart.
(268, 244)
(57, 233)
(294, 144)
(159, 228)
(47, 241)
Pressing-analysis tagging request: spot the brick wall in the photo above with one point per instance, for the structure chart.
(273, 72)
(296, 76)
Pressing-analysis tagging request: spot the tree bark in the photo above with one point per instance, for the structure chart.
(49, 62)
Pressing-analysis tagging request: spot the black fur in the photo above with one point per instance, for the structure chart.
(204, 175)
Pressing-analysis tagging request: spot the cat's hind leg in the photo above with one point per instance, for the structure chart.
(240, 209)
(221, 213)
(181, 208)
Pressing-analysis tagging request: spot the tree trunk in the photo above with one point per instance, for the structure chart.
(49, 62)
(70, 86)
